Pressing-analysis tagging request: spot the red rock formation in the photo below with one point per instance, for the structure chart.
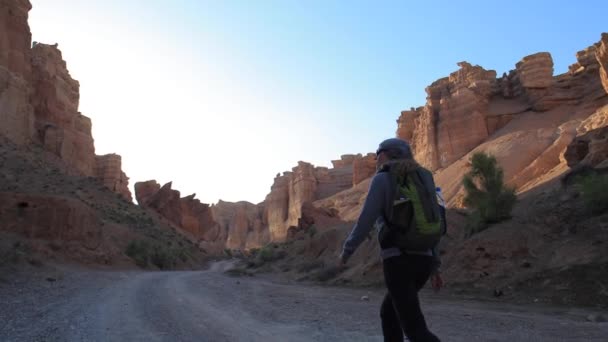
(15, 37)
(61, 128)
(305, 184)
(287, 195)
(277, 207)
(602, 59)
(363, 167)
(166, 202)
(536, 71)
(590, 147)
(144, 191)
(345, 160)
(39, 100)
(406, 123)
(337, 178)
(453, 120)
(534, 80)
(417, 126)
(47, 217)
(196, 217)
(241, 225)
(302, 189)
(229, 225)
(318, 217)
(188, 213)
(108, 169)
(466, 108)
(16, 113)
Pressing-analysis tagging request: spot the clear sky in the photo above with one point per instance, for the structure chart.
(220, 96)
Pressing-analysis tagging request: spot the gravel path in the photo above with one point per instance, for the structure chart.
(211, 306)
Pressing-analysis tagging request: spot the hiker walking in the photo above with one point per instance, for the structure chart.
(403, 207)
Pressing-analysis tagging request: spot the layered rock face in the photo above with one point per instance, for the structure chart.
(15, 37)
(108, 168)
(306, 184)
(188, 213)
(145, 190)
(229, 225)
(49, 217)
(39, 101)
(453, 120)
(363, 168)
(466, 108)
(590, 147)
(287, 195)
(602, 59)
(60, 127)
(241, 225)
(16, 112)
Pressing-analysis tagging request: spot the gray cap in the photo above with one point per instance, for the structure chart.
(399, 147)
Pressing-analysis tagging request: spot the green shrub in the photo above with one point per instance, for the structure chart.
(163, 258)
(312, 231)
(183, 254)
(139, 251)
(594, 191)
(145, 253)
(474, 223)
(266, 253)
(269, 252)
(486, 193)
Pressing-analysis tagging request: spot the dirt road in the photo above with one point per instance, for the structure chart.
(211, 306)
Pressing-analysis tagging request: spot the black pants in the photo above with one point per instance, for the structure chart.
(404, 276)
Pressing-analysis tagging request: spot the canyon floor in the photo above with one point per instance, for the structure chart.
(64, 303)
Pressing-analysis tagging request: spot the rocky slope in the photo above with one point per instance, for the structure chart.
(245, 225)
(57, 197)
(553, 251)
(39, 101)
(50, 215)
(543, 131)
(535, 123)
(69, 203)
(471, 105)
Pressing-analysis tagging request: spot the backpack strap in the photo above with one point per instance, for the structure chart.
(427, 198)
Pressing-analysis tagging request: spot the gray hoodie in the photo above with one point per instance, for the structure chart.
(377, 206)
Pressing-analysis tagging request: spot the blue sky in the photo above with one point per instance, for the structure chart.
(220, 96)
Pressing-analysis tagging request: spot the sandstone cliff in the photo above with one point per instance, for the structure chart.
(16, 111)
(15, 37)
(590, 147)
(306, 184)
(59, 216)
(224, 225)
(602, 58)
(189, 214)
(468, 107)
(108, 169)
(241, 225)
(244, 225)
(39, 101)
(526, 118)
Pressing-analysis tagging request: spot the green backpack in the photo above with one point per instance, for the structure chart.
(415, 224)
